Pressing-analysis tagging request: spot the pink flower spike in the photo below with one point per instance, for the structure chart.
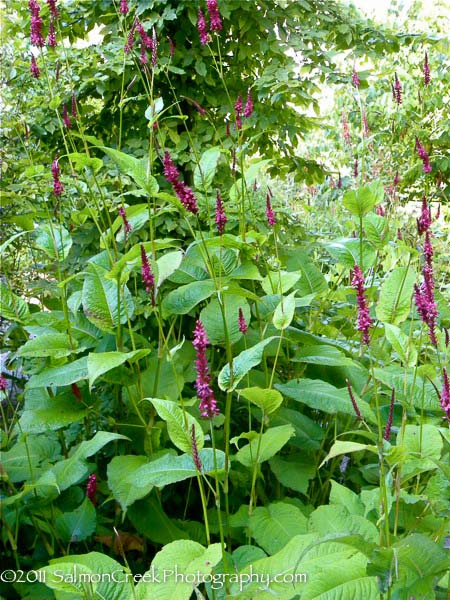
(195, 456)
(248, 110)
(91, 489)
(364, 320)
(143, 58)
(387, 431)
(397, 90)
(154, 48)
(243, 327)
(221, 217)
(58, 187)
(238, 112)
(53, 10)
(147, 276)
(3, 383)
(353, 401)
(65, 117)
(426, 70)
(124, 9)
(126, 224)
(355, 78)
(424, 221)
(183, 192)
(36, 24)
(215, 22)
(51, 36)
(202, 29)
(355, 168)
(270, 215)
(445, 394)
(34, 69)
(208, 404)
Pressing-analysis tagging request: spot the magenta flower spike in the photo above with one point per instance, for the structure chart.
(355, 78)
(195, 455)
(126, 224)
(58, 187)
(34, 69)
(353, 401)
(36, 24)
(143, 59)
(270, 215)
(355, 168)
(221, 217)
(238, 112)
(3, 383)
(124, 9)
(208, 404)
(147, 276)
(53, 9)
(243, 327)
(91, 489)
(387, 431)
(145, 38)
(445, 394)
(184, 193)
(424, 221)
(65, 117)
(397, 89)
(364, 320)
(248, 110)
(426, 70)
(215, 21)
(423, 155)
(202, 28)
(424, 295)
(51, 36)
(130, 40)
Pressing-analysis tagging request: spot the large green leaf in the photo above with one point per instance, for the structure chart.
(178, 565)
(260, 450)
(135, 168)
(274, 525)
(206, 168)
(101, 300)
(149, 519)
(213, 321)
(395, 297)
(321, 395)
(323, 355)
(347, 251)
(50, 413)
(341, 447)
(56, 345)
(360, 201)
(185, 298)
(78, 525)
(410, 388)
(99, 363)
(60, 376)
(402, 344)
(179, 424)
(294, 471)
(284, 312)
(229, 378)
(12, 307)
(267, 400)
(121, 475)
(55, 241)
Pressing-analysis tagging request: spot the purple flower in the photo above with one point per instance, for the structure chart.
(353, 400)
(424, 221)
(143, 59)
(396, 179)
(423, 155)
(202, 29)
(130, 39)
(208, 404)
(424, 295)
(243, 327)
(53, 10)
(65, 117)
(215, 22)
(154, 48)
(387, 431)
(445, 394)
(58, 187)
(221, 217)
(91, 489)
(184, 193)
(145, 38)
(34, 69)
(3, 383)
(397, 89)
(195, 456)
(248, 110)
(171, 47)
(339, 183)
(147, 276)
(380, 210)
(36, 24)
(364, 320)
(126, 224)
(238, 112)
(426, 70)
(270, 215)
(51, 37)
(399, 234)
(355, 168)
(124, 7)
(355, 78)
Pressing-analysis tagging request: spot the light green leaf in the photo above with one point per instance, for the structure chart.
(213, 320)
(279, 282)
(60, 376)
(54, 241)
(167, 264)
(410, 388)
(204, 171)
(343, 496)
(395, 297)
(339, 447)
(78, 525)
(121, 474)
(179, 424)
(402, 344)
(323, 355)
(294, 471)
(12, 307)
(284, 312)
(136, 169)
(99, 363)
(56, 345)
(81, 160)
(183, 299)
(246, 360)
(274, 525)
(270, 443)
(51, 414)
(267, 400)
(347, 252)
(360, 201)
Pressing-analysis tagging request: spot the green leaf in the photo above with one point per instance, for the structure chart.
(121, 474)
(54, 241)
(260, 450)
(246, 360)
(395, 297)
(402, 344)
(343, 496)
(100, 300)
(206, 169)
(375, 230)
(213, 320)
(410, 388)
(12, 307)
(347, 252)
(76, 526)
(186, 297)
(56, 345)
(267, 400)
(167, 264)
(171, 469)
(136, 169)
(339, 447)
(81, 160)
(279, 282)
(179, 424)
(189, 559)
(60, 376)
(274, 525)
(424, 441)
(293, 472)
(334, 518)
(360, 201)
(323, 355)
(284, 312)
(99, 363)
(323, 396)
(149, 519)
(51, 414)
